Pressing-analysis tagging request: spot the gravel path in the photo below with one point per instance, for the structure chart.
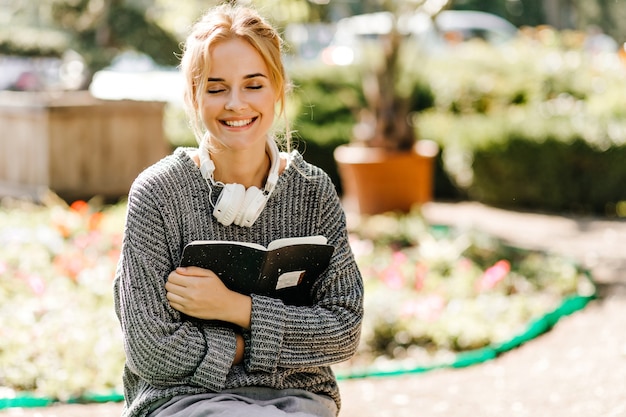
(576, 369)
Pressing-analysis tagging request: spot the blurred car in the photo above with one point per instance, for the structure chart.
(463, 25)
(135, 76)
(306, 40)
(21, 73)
(354, 34)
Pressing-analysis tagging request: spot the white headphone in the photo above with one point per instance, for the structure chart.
(236, 204)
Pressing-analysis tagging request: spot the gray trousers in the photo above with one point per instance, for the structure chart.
(247, 402)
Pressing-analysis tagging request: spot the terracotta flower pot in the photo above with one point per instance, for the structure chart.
(376, 181)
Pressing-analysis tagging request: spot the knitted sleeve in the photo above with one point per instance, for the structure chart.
(328, 332)
(160, 347)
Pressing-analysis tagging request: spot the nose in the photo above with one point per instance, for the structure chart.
(235, 102)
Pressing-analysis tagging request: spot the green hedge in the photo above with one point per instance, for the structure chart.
(539, 128)
(572, 163)
(552, 175)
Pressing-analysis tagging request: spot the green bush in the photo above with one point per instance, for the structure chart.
(553, 175)
(322, 113)
(177, 128)
(97, 34)
(323, 103)
(33, 42)
(129, 28)
(526, 160)
(536, 128)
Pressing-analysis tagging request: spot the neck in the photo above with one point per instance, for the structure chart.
(248, 168)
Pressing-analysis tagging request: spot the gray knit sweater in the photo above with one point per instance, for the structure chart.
(168, 354)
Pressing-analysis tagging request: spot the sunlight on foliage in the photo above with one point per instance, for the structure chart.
(431, 292)
(58, 331)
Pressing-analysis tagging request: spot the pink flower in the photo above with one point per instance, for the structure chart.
(398, 258)
(36, 283)
(70, 263)
(464, 264)
(360, 247)
(494, 274)
(425, 309)
(392, 277)
(86, 240)
(421, 271)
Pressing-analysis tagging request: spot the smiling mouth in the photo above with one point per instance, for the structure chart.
(238, 123)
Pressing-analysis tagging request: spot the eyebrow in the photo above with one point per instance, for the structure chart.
(247, 77)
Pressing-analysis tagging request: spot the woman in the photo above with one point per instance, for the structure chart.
(194, 347)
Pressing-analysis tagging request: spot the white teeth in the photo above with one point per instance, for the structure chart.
(238, 123)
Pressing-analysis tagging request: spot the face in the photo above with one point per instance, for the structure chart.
(239, 103)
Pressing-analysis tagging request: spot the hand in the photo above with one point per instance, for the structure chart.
(200, 293)
(240, 351)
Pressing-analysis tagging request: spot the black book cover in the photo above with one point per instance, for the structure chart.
(286, 269)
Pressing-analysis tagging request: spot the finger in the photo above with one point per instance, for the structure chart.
(174, 298)
(194, 271)
(176, 279)
(185, 281)
(177, 307)
(176, 285)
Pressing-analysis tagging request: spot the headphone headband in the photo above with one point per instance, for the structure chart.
(207, 167)
(272, 177)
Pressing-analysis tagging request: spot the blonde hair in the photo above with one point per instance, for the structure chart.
(219, 24)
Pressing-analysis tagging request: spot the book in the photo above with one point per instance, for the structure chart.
(286, 269)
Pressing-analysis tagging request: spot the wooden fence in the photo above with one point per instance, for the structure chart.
(75, 145)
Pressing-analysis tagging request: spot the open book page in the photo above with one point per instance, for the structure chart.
(275, 244)
(229, 242)
(288, 241)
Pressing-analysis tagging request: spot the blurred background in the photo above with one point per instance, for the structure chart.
(518, 95)
(515, 104)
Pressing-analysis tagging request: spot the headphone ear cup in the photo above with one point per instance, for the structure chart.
(229, 203)
(251, 208)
